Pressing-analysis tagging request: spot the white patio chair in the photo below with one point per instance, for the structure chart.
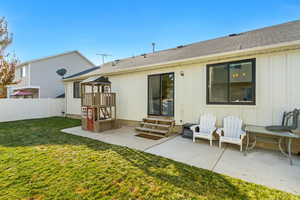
(206, 127)
(232, 131)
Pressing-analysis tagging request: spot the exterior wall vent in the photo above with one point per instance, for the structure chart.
(115, 62)
(234, 34)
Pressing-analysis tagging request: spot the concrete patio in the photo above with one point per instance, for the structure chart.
(124, 136)
(269, 168)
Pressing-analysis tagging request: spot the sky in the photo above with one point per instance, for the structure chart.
(127, 28)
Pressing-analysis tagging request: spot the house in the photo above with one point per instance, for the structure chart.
(253, 75)
(38, 78)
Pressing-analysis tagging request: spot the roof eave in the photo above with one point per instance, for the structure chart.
(74, 79)
(54, 56)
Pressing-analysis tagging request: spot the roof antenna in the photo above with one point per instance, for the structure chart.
(104, 55)
(153, 47)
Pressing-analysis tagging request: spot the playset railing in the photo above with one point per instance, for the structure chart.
(99, 99)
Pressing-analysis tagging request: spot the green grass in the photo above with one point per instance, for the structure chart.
(37, 161)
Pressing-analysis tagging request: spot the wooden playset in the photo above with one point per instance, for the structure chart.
(98, 105)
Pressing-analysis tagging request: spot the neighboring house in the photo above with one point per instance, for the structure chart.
(39, 78)
(72, 91)
(253, 75)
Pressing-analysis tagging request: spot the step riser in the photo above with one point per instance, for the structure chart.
(159, 120)
(163, 124)
(156, 131)
(153, 133)
(156, 125)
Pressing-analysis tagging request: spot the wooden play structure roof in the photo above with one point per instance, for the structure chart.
(96, 80)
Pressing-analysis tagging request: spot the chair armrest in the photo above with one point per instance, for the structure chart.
(243, 134)
(193, 128)
(219, 131)
(212, 129)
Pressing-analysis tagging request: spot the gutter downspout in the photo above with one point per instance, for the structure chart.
(29, 75)
(66, 99)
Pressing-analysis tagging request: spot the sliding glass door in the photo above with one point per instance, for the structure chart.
(161, 94)
(154, 92)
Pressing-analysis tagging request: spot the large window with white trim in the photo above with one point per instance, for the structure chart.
(231, 83)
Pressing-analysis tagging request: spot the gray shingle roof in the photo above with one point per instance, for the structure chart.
(53, 56)
(82, 72)
(61, 96)
(271, 35)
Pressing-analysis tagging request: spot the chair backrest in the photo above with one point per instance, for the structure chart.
(290, 119)
(232, 127)
(207, 122)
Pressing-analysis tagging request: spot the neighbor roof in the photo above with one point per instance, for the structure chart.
(81, 73)
(57, 55)
(271, 35)
(61, 96)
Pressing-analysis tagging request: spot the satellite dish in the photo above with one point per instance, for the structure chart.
(61, 72)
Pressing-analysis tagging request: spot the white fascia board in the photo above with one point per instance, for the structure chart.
(25, 87)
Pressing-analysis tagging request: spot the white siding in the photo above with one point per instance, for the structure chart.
(23, 81)
(43, 73)
(73, 105)
(277, 90)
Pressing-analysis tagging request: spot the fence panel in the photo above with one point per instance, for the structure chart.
(20, 109)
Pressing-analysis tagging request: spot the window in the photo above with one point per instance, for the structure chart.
(76, 90)
(231, 83)
(23, 71)
(161, 94)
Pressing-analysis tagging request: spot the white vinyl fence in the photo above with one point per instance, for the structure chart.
(19, 109)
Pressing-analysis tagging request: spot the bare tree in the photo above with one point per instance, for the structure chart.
(8, 62)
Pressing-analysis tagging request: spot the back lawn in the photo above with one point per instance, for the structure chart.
(37, 161)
